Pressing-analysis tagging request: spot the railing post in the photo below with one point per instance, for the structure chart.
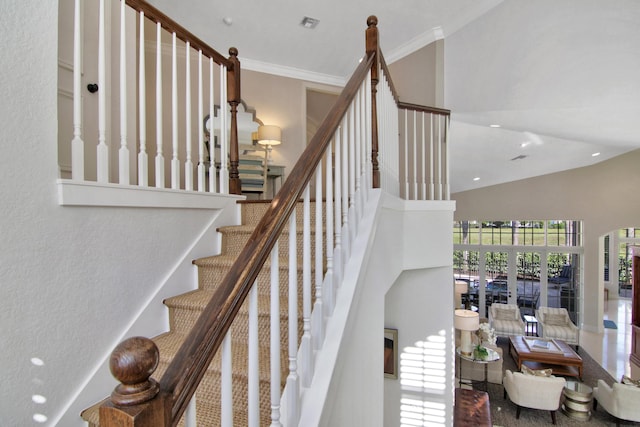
(233, 94)
(137, 400)
(372, 47)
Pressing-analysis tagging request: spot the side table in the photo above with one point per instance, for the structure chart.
(531, 327)
(492, 356)
(577, 399)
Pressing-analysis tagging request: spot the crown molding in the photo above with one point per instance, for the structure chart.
(294, 73)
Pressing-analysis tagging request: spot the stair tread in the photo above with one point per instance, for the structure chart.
(227, 261)
(169, 343)
(199, 298)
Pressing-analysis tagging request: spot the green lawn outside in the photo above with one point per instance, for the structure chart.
(510, 236)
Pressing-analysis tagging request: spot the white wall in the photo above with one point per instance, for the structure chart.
(73, 278)
(358, 386)
(604, 196)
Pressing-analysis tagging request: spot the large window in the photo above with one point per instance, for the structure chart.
(619, 243)
(525, 262)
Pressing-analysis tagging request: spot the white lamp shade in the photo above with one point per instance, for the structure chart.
(462, 287)
(269, 135)
(466, 320)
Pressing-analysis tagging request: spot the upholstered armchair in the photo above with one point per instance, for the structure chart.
(556, 323)
(620, 400)
(506, 319)
(533, 391)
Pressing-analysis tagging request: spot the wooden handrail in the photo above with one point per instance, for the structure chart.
(181, 32)
(424, 109)
(233, 77)
(207, 334)
(184, 373)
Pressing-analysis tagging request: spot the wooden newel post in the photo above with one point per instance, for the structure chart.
(136, 401)
(233, 97)
(373, 47)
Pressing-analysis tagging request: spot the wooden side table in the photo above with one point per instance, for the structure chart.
(577, 399)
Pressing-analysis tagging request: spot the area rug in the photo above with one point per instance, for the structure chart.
(503, 411)
(610, 324)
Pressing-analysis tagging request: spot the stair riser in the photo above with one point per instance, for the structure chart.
(182, 320)
(252, 213)
(233, 242)
(210, 276)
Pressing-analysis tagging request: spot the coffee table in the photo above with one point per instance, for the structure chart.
(562, 359)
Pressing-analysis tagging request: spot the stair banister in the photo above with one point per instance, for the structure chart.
(229, 94)
(182, 377)
(232, 65)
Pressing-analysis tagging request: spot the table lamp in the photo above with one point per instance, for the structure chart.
(466, 321)
(269, 135)
(461, 287)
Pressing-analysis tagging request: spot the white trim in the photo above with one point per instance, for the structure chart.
(294, 73)
(73, 193)
(413, 45)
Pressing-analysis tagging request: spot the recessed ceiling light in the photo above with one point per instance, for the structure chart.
(477, 178)
(524, 144)
(310, 23)
(494, 126)
(227, 20)
(595, 154)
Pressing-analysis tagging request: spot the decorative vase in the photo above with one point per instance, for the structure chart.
(480, 353)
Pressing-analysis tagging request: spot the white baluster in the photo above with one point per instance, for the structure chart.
(77, 144)
(190, 413)
(352, 175)
(346, 244)
(306, 362)
(212, 148)
(253, 371)
(175, 163)
(226, 392)
(337, 258)
(293, 385)
(188, 166)
(201, 165)
(159, 120)
(359, 152)
(224, 157)
(103, 149)
(317, 322)
(423, 179)
(368, 131)
(439, 159)
(447, 190)
(143, 158)
(415, 156)
(123, 154)
(329, 294)
(405, 144)
(431, 160)
(275, 347)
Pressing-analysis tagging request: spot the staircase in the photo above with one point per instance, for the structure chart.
(185, 309)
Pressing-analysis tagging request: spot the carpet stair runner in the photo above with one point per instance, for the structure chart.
(185, 309)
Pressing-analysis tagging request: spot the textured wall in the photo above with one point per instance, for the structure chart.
(72, 278)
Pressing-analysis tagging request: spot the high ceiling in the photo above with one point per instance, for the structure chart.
(560, 77)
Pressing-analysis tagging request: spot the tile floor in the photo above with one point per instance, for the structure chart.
(612, 347)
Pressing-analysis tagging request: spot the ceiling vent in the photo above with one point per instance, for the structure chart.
(309, 23)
